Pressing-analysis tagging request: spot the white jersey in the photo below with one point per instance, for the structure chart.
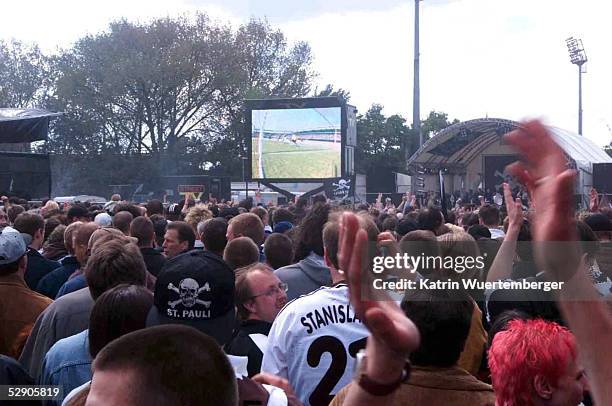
(313, 343)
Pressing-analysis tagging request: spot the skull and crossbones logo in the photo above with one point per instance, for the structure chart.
(342, 185)
(189, 290)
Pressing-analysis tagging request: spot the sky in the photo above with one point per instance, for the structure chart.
(479, 58)
(296, 119)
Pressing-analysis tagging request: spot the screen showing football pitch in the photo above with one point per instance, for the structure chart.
(301, 143)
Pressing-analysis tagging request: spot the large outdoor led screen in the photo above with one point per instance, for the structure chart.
(296, 143)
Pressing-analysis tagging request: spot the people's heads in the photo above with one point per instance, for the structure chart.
(77, 213)
(489, 215)
(122, 220)
(501, 322)
(262, 213)
(68, 236)
(534, 362)
(260, 295)
(142, 229)
(50, 208)
(282, 227)
(133, 209)
(118, 311)
(406, 225)
(154, 207)
(282, 214)
(33, 225)
(12, 252)
(196, 215)
(246, 225)
(389, 224)
(431, 219)
(14, 211)
(159, 224)
(469, 219)
(112, 263)
(179, 238)
(51, 224)
(80, 241)
(168, 365)
(479, 231)
(103, 219)
(196, 289)
(278, 250)
(104, 234)
(213, 235)
(463, 250)
(241, 252)
(116, 197)
(310, 232)
(443, 318)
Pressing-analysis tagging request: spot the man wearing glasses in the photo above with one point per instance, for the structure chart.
(260, 295)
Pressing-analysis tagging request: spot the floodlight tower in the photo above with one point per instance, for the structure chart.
(578, 57)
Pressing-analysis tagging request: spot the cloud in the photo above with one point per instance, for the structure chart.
(59, 23)
(503, 58)
(478, 58)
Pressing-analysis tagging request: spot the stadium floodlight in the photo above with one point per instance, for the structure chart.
(577, 57)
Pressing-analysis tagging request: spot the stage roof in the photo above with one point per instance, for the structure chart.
(24, 125)
(459, 144)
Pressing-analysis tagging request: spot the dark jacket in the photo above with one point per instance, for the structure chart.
(153, 259)
(51, 283)
(38, 267)
(11, 373)
(241, 344)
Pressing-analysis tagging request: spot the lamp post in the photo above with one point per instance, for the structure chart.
(577, 57)
(416, 95)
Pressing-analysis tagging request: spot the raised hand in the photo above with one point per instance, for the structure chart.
(551, 185)
(393, 335)
(514, 208)
(593, 200)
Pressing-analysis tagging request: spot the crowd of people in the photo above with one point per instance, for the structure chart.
(215, 303)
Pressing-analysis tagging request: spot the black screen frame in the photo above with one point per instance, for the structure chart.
(286, 104)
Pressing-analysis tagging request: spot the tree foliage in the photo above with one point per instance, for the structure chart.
(170, 88)
(382, 140)
(23, 75)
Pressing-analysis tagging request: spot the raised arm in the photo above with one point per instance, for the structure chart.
(501, 268)
(552, 189)
(392, 335)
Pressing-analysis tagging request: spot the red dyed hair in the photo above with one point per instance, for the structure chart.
(528, 348)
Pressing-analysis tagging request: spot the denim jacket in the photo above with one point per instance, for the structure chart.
(68, 364)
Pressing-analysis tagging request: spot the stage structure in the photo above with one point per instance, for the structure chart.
(22, 173)
(307, 140)
(473, 155)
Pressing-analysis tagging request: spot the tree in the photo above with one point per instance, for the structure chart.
(434, 123)
(172, 88)
(23, 75)
(379, 140)
(330, 91)
(382, 140)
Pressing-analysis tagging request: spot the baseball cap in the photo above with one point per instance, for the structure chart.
(282, 226)
(196, 289)
(103, 219)
(12, 245)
